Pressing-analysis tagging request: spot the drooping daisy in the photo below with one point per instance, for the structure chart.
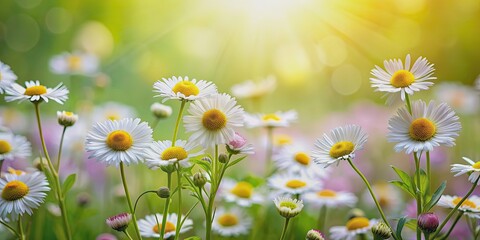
(74, 63)
(340, 144)
(7, 77)
(112, 142)
(242, 193)
(112, 111)
(288, 207)
(151, 226)
(211, 120)
(22, 193)
(473, 170)
(231, 223)
(428, 126)
(354, 227)
(471, 206)
(254, 90)
(239, 145)
(400, 78)
(295, 158)
(464, 99)
(277, 119)
(293, 183)
(14, 146)
(330, 198)
(162, 153)
(183, 89)
(36, 92)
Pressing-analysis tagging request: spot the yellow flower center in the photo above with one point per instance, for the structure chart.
(35, 90)
(341, 149)
(295, 183)
(327, 193)
(475, 165)
(69, 114)
(15, 171)
(466, 203)
(302, 158)
(228, 220)
(402, 78)
(174, 152)
(271, 117)
(119, 140)
(14, 190)
(242, 189)
(169, 227)
(283, 139)
(357, 223)
(74, 63)
(214, 120)
(5, 147)
(187, 88)
(112, 116)
(290, 205)
(422, 129)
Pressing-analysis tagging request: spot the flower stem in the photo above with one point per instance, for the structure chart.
(179, 214)
(322, 218)
(418, 194)
(127, 194)
(284, 231)
(128, 235)
(460, 214)
(60, 149)
(409, 105)
(177, 123)
(11, 229)
(211, 198)
(21, 234)
(373, 195)
(429, 174)
(167, 205)
(268, 158)
(456, 208)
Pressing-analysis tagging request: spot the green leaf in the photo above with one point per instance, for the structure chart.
(435, 197)
(194, 238)
(403, 186)
(400, 225)
(403, 175)
(236, 161)
(68, 184)
(412, 224)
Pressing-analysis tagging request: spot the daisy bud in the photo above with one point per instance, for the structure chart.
(288, 207)
(163, 192)
(37, 163)
(66, 119)
(161, 111)
(314, 235)
(381, 230)
(355, 213)
(223, 158)
(83, 199)
(119, 222)
(236, 143)
(428, 222)
(199, 179)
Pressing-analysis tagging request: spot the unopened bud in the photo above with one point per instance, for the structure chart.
(223, 158)
(199, 179)
(163, 192)
(161, 111)
(314, 235)
(428, 222)
(66, 119)
(381, 230)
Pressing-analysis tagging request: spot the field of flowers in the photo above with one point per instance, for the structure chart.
(259, 119)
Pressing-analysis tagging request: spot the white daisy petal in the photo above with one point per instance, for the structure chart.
(150, 227)
(35, 92)
(183, 89)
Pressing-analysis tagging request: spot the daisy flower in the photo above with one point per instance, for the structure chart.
(340, 144)
(183, 89)
(66, 119)
(112, 111)
(330, 198)
(277, 119)
(162, 153)
(119, 222)
(211, 120)
(22, 193)
(241, 193)
(471, 206)
(238, 145)
(389, 197)
(151, 226)
(293, 183)
(464, 99)
(74, 63)
(473, 170)
(428, 126)
(354, 227)
(14, 146)
(35, 92)
(294, 158)
(254, 90)
(398, 77)
(288, 207)
(112, 142)
(7, 77)
(231, 223)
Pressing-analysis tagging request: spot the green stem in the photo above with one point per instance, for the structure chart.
(322, 218)
(167, 205)
(155, 123)
(12, 230)
(285, 226)
(21, 234)
(460, 214)
(268, 158)
(179, 214)
(128, 235)
(213, 192)
(418, 194)
(362, 236)
(175, 132)
(373, 195)
(127, 194)
(429, 174)
(456, 208)
(409, 106)
(60, 149)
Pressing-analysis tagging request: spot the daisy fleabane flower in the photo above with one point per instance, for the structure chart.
(354, 227)
(330, 198)
(112, 142)
(239, 145)
(242, 193)
(212, 120)
(162, 153)
(293, 183)
(473, 170)
(74, 63)
(231, 223)
(7, 77)
(22, 193)
(288, 207)
(151, 226)
(35, 92)
(13, 146)
(295, 158)
(254, 90)
(398, 77)
(277, 119)
(119, 222)
(183, 89)
(471, 205)
(340, 144)
(427, 127)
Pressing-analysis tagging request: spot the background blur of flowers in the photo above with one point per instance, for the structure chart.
(320, 52)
